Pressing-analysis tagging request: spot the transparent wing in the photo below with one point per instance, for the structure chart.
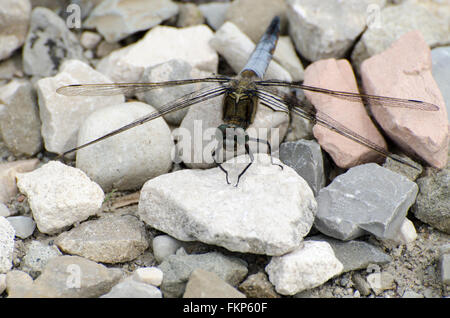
(107, 89)
(372, 99)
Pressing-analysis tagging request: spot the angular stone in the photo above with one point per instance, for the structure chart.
(257, 217)
(133, 289)
(23, 225)
(63, 115)
(307, 267)
(116, 19)
(8, 172)
(338, 75)
(37, 256)
(20, 125)
(444, 267)
(6, 245)
(59, 196)
(287, 57)
(258, 286)
(178, 268)
(204, 284)
(440, 58)
(328, 29)
(404, 71)
(49, 42)
(305, 157)
(164, 246)
(380, 282)
(366, 199)
(406, 234)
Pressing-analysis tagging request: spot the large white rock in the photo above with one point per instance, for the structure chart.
(62, 115)
(129, 159)
(269, 212)
(6, 245)
(307, 267)
(159, 45)
(59, 196)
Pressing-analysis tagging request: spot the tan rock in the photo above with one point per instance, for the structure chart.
(8, 172)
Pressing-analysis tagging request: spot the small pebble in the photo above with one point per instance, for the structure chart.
(164, 246)
(411, 294)
(149, 275)
(23, 225)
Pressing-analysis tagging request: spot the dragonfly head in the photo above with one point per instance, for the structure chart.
(231, 136)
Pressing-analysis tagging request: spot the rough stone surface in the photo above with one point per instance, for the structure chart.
(381, 281)
(164, 246)
(110, 239)
(258, 286)
(444, 267)
(116, 19)
(149, 275)
(6, 245)
(406, 234)
(37, 256)
(366, 199)
(133, 289)
(59, 196)
(404, 71)
(8, 172)
(125, 161)
(338, 75)
(63, 115)
(178, 268)
(253, 220)
(306, 267)
(17, 282)
(23, 225)
(440, 58)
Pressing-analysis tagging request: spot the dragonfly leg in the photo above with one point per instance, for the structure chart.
(247, 150)
(213, 154)
(269, 150)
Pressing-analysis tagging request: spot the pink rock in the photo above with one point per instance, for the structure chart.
(404, 71)
(338, 75)
(8, 172)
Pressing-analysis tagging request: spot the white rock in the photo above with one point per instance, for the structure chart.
(130, 288)
(2, 283)
(164, 246)
(59, 196)
(380, 281)
(149, 275)
(159, 45)
(6, 245)
(37, 256)
(406, 234)
(62, 115)
(129, 159)
(23, 225)
(14, 20)
(287, 57)
(116, 19)
(4, 211)
(214, 12)
(307, 267)
(269, 212)
(90, 40)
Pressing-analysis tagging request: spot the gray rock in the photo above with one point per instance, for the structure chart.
(109, 239)
(258, 286)
(444, 267)
(380, 282)
(178, 268)
(440, 58)
(6, 245)
(403, 169)
(49, 42)
(164, 246)
(59, 196)
(136, 155)
(305, 157)
(361, 284)
(14, 20)
(23, 225)
(327, 29)
(214, 12)
(4, 211)
(366, 199)
(189, 14)
(37, 256)
(411, 294)
(433, 201)
(355, 255)
(132, 289)
(204, 284)
(20, 125)
(269, 212)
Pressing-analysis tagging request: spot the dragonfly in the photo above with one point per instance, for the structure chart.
(240, 102)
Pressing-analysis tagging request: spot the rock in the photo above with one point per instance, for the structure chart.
(105, 48)
(178, 268)
(287, 57)
(433, 200)
(117, 19)
(89, 40)
(137, 155)
(6, 245)
(355, 254)
(395, 21)
(440, 58)
(327, 29)
(14, 20)
(8, 172)
(258, 286)
(48, 43)
(109, 239)
(305, 157)
(2, 283)
(148, 275)
(4, 211)
(59, 196)
(444, 267)
(17, 282)
(338, 75)
(253, 16)
(63, 115)
(20, 125)
(400, 168)
(23, 225)
(164, 246)
(269, 212)
(214, 13)
(161, 44)
(37, 256)
(133, 289)
(404, 71)
(366, 199)
(11, 67)
(204, 284)
(189, 14)
(411, 294)
(361, 284)
(406, 234)
(307, 267)
(380, 282)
